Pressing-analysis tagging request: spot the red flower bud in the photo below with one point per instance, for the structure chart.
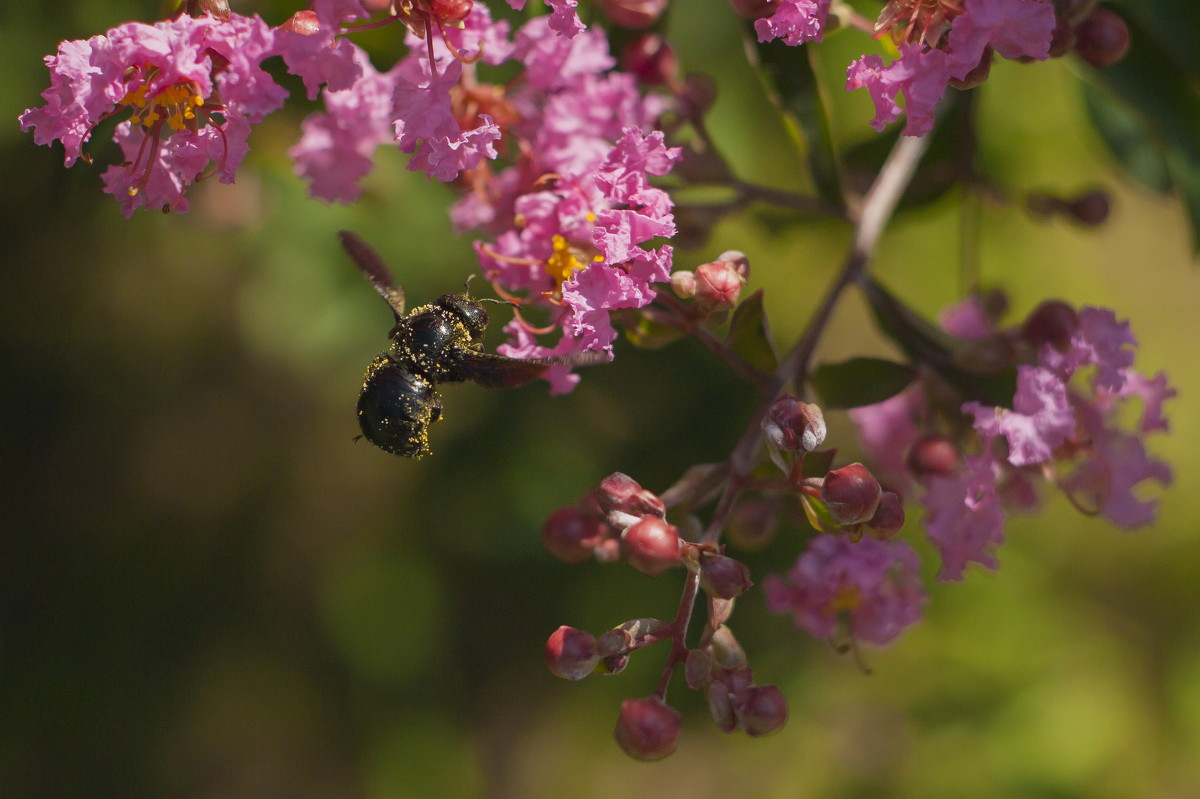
(633, 13)
(723, 577)
(932, 454)
(761, 710)
(621, 493)
(651, 59)
(304, 23)
(647, 729)
(1089, 209)
(851, 494)
(1102, 39)
(449, 12)
(571, 654)
(793, 425)
(1053, 322)
(651, 546)
(718, 285)
(888, 518)
(571, 535)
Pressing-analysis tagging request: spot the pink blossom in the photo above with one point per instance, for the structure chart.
(871, 587)
(794, 21)
(887, 430)
(1040, 420)
(1115, 464)
(563, 20)
(337, 147)
(1013, 28)
(963, 516)
(920, 75)
(967, 320)
(165, 74)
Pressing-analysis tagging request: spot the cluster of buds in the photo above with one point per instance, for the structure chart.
(620, 519)
(715, 286)
(849, 498)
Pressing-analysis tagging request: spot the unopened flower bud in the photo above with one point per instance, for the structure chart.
(615, 664)
(571, 534)
(304, 23)
(647, 729)
(1062, 39)
(761, 710)
(1053, 322)
(683, 284)
(851, 494)
(651, 59)
(613, 642)
(932, 455)
(718, 285)
(621, 493)
(793, 425)
(571, 653)
(651, 546)
(1102, 39)
(634, 14)
(738, 260)
(723, 577)
(697, 668)
(720, 705)
(451, 12)
(888, 518)
(219, 9)
(726, 650)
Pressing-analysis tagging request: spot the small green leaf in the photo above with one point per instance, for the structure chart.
(860, 381)
(790, 79)
(748, 334)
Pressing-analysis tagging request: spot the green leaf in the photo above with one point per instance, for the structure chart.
(927, 345)
(789, 76)
(651, 335)
(748, 334)
(1156, 91)
(860, 381)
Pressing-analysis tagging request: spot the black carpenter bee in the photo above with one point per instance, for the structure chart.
(431, 344)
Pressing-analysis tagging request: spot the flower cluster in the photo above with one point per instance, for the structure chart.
(192, 86)
(1063, 423)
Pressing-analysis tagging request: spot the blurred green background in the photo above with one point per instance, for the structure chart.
(208, 590)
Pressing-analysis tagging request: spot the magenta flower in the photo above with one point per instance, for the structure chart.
(869, 589)
(1012, 28)
(794, 21)
(168, 75)
(337, 147)
(563, 20)
(964, 517)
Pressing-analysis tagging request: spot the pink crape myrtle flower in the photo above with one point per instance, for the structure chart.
(572, 219)
(1069, 402)
(564, 19)
(794, 21)
(964, 517)
(869, 589)
(168, 75)
(1012, 28)
(1063, 422)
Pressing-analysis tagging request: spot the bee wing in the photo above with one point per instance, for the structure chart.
(374, 269)
(498, 371)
